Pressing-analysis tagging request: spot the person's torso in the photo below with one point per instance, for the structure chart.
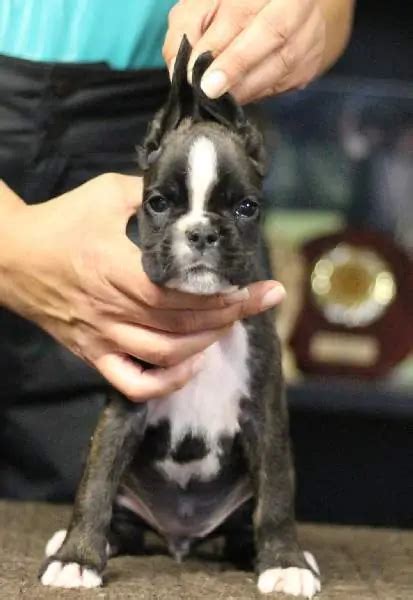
(126, 34)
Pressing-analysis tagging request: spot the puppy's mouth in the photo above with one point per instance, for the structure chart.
(199, 278)
(199, 269)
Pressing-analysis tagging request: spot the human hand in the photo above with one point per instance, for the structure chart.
(72, 270)
(262, 47)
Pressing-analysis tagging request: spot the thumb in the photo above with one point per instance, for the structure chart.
(112, 194)
(126, 191)
(121, 195)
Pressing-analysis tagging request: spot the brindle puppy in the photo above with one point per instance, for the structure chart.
(186, 465)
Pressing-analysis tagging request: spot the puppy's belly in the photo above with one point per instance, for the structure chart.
(190, 474)
(190, 513)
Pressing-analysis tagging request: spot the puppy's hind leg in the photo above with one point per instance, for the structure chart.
(79, 559)
(126, 534)
(281, 564)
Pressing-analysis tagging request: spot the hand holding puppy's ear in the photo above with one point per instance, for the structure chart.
(261, 47)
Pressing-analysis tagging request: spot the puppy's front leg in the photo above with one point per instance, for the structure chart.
(79, 559)
(282, 565)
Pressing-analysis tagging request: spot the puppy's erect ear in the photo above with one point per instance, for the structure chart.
(226, 111)
(185, 100)
(178, 106)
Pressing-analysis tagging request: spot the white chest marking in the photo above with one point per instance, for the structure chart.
(208, 406)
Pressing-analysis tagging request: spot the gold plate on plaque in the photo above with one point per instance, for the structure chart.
(352, 286)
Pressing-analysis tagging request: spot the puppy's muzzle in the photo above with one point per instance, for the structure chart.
(202, 236)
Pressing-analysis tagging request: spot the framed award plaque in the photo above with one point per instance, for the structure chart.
(357, 314)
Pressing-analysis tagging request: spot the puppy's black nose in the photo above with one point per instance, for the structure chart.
(202, 236)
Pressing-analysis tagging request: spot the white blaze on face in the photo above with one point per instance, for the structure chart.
(202, 175)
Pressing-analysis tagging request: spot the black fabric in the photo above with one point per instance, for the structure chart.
(60, 125)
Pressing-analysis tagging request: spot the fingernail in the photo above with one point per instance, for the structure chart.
(273, 297)
(214, 84)
(237, 296)
(171, 68)
(197, 363)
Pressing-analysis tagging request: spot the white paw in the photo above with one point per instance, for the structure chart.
(294, 581)
(70, 575)
(55, 542)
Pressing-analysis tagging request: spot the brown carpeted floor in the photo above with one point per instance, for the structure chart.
(355, 563)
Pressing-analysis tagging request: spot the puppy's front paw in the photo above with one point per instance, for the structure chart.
(70, 575)
(292, 580)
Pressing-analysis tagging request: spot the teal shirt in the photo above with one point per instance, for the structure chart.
(124, 33)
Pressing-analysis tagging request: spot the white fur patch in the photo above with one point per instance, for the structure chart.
(202, 174)
(55, 542)
(70, 575)
(203, 284)
(293, 581)
(204, 469)
(208, 405)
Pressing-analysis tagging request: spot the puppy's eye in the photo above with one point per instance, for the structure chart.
(158, 204)
(247, 208)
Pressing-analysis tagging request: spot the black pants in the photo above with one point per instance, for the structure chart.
(60, 125)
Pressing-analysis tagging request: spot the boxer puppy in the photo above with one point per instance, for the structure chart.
(188, 465)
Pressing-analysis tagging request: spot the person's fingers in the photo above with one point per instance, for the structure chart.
(273, 75)
(221, 311)
(262, 80)
(139, 385)
(159, 348)
(190, 20)
(261, 297)
(268, 32)
(228, 22)
(129, 279)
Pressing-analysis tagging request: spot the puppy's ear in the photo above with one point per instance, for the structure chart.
(178, 105)
(226, 111)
